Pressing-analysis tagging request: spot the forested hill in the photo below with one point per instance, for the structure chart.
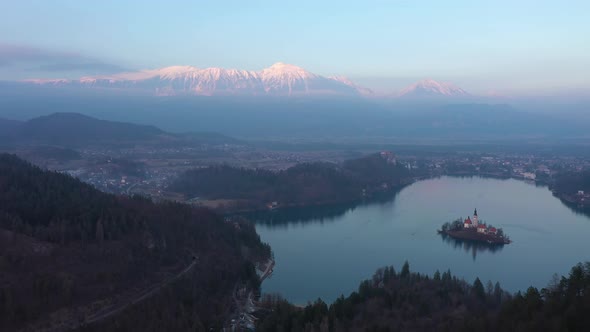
(65, 246)
(405, 301)
(75, 130)
(304, 184)
(571, 183)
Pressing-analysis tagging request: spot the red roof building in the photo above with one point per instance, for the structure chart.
(481, 228)
(467, 223)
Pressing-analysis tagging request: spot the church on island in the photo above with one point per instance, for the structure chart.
(473, 223)
(473, 229)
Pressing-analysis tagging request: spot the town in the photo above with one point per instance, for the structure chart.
(148, 172)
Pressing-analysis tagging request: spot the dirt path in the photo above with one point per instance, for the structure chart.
(116, 308)
(268, 270)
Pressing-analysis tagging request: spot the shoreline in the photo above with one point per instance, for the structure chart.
(473, 236)
(378, 195)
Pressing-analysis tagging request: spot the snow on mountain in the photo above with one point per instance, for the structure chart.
(285, 79)
(345, 80)
(432, 88)
(278, 79)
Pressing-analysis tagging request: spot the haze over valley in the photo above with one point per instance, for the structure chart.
(294, 166)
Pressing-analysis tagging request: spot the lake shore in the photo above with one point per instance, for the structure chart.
(472, 235)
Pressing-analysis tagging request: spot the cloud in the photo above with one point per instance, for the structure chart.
(27, 58)
(13, 53)
(83, 66)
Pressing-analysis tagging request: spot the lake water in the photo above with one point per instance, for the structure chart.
(325, 252)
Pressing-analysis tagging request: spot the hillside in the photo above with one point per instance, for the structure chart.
(573, 189)
(69, 250)
(303, 184)
(76, 130)
(571, 183)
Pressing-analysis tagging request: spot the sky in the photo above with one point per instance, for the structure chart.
(486, 47)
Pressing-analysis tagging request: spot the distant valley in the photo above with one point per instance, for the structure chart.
(309, 119)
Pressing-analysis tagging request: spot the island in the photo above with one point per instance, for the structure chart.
(473, 229)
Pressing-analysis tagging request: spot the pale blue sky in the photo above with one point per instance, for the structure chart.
(517, 46)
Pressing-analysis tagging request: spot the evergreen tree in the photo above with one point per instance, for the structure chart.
(437, 275)
(99, 232)
(478, 289)
(405, 270)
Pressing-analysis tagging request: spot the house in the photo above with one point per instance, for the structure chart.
(492, 230)
(529, 175)
(467, 223)
(581, 192)
(389, 157)
(481, 228)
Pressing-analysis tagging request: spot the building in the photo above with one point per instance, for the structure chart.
(478, 226)
(389, 157)
(481, 228)
(529, 175)
(467, 223)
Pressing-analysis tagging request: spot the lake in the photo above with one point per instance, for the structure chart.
(326, 252)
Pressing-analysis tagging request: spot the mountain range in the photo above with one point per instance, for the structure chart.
(279, 79)
(432, 88)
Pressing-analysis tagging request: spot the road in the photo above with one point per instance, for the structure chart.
(268, 270)
(116, 308)
(128, 191)
(107, 312)
(242, 317)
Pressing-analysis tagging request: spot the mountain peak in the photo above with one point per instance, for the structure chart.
(431, 88)
(285, 68)
(282, 65)
(428, 81)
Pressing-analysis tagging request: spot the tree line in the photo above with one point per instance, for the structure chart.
(409, 301)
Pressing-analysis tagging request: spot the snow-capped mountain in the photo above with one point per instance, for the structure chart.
(279, 79)
(432, 88)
